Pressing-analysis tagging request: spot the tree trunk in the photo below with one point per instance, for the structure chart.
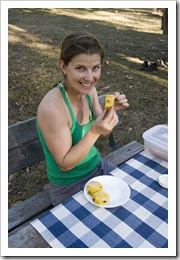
(165, 21)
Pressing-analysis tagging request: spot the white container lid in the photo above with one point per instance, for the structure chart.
(158, 135)
(163, 181)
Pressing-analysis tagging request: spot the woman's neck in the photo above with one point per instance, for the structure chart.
(74, 96)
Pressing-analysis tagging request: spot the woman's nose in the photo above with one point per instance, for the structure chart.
(89, 75)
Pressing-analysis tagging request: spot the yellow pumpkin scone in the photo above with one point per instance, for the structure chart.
(93, 186)
(101, 198)
(109, 101)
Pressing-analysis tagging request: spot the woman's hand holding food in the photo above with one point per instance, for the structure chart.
(120, 101)
(105, 122)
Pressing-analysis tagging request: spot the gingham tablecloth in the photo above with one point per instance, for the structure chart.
(142, 222)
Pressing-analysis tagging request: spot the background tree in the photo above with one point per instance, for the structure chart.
(165, 21)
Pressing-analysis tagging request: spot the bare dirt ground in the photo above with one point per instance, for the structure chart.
(129, 36)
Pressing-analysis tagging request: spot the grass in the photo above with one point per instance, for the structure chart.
(129, 36)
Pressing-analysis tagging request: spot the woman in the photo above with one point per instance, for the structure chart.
(70, 119)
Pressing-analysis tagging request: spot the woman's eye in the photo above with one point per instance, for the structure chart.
(96, 67)
(83, 68)
(80, 68)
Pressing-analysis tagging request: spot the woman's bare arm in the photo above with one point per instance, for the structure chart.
(54, 124)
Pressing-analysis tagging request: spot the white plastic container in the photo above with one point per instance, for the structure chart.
(156, 141)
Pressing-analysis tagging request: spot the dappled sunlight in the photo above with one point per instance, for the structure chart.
(128, 36)
(21, 36)
(16, 28)
(121, 20)
(131, 59)
(154, 78)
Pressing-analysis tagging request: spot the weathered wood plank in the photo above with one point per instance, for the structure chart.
(125, 153)
(29, 208)
(22, 132)
(24, 156)
(26, 237)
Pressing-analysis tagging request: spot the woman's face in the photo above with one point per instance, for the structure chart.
(82, 72)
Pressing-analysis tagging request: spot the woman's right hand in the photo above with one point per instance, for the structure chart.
(105, 122)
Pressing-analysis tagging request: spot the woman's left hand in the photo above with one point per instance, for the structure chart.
(120, 101)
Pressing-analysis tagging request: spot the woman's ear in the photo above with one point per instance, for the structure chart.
(62, 67)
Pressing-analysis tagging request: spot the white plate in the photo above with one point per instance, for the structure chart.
(117, 189)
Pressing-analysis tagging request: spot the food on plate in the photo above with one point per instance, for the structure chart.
(93, 186)
(109, 101)
(101, 198)
(95, 190)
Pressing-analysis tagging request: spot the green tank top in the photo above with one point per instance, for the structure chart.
(87, 165)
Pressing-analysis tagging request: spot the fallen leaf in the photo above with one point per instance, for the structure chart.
(129, 77)
(21, 108)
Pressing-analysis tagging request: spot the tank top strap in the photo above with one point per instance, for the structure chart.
(66, 99)
(91, 114)
(68, 103)
(89, 101)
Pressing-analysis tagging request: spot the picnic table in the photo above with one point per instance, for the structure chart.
(142, 222)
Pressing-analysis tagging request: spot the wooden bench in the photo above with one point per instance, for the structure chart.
(24, 150)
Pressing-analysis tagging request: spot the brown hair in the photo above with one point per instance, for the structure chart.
(78, 43)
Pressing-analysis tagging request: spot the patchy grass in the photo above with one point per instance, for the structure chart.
(129, 36)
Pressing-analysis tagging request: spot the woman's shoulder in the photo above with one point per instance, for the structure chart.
(51, 104)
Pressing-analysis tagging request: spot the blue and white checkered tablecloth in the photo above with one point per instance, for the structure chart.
(142, 222)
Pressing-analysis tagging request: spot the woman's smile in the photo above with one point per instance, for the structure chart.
(87, 85)
(82, 73)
